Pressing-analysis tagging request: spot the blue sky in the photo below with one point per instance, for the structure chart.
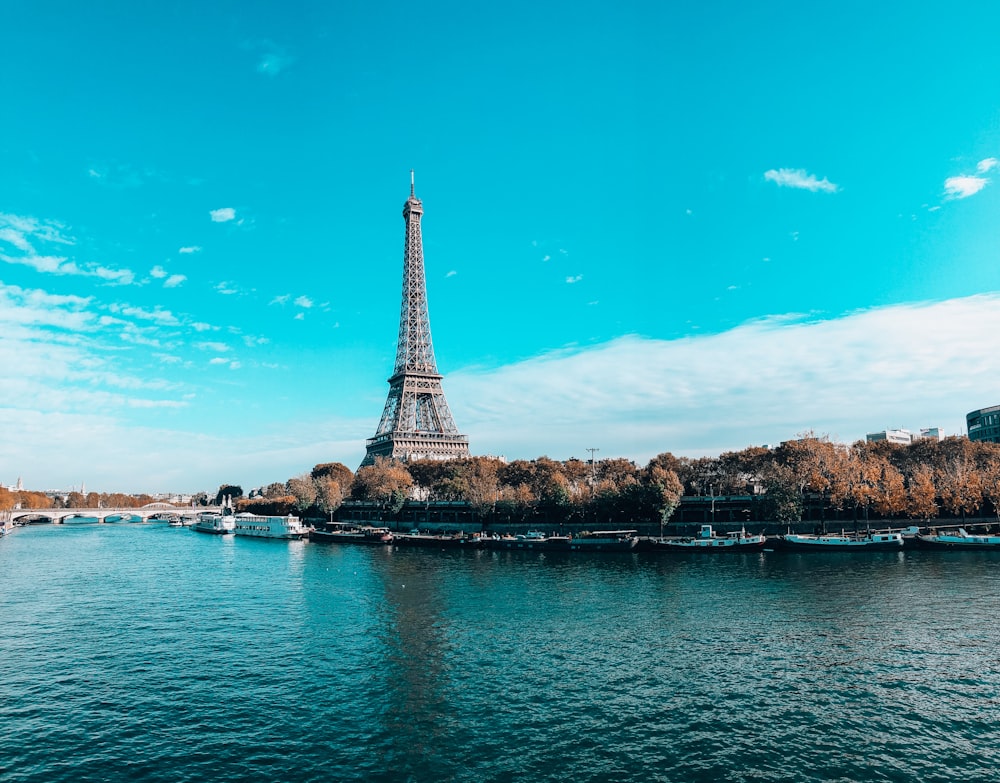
(648, 227)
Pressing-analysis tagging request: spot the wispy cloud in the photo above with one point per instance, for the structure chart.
(22, 234)
(159, 316)
(212, 346)
(60, 265)
(574, 279)
(222, 215)
(226, 288)
(801, 179)
(174, 280)
(987, 164)
(303, 301)
(759, 383)
(190, 249)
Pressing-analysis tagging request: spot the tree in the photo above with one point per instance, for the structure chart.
(233, 491)
(303, 489)
(336, 471)
(921, 493)
(386, 482)
(890, 493)
(662, 489)
(782, 496)
(275, 489)
(329, 494)
(989, 471)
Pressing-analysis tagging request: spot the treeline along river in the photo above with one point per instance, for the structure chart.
(150, 653)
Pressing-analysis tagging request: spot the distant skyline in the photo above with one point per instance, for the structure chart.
(648, 227)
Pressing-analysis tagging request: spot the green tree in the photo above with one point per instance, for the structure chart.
(234, 491)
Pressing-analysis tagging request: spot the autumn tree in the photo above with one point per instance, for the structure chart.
(921, 494)
(337, 471)
(275, 489)
(386, 482)
(303, 489)
(890, 492)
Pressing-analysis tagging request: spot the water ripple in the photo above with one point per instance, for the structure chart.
(147, 653)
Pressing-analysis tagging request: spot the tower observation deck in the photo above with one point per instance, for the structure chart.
(416, 422)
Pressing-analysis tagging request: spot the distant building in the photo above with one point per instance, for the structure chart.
(984, 424)
(905, 437)
(893, 436)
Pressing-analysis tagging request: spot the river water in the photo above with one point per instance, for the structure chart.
(142, 652)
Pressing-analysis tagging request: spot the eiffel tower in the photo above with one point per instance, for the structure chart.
(416, 422)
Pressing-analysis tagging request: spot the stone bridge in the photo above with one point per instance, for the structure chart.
(143, 513)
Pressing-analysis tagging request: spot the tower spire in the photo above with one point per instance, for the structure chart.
(416, 422)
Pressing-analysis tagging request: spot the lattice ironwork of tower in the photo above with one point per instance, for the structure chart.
(416, 422)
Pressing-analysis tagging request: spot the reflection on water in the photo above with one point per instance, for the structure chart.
(178, 656)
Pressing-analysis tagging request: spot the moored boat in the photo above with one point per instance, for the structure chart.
(957, 539)
(259, 526)
(835, 542)
(339, 533)
(216, 524)
(708, 541)
(530, 541)
(604, 541)
(458, 540)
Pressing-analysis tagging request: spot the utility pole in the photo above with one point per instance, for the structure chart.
(593, 465)
(593, 478)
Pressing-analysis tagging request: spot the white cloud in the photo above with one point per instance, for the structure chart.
(42, 230)
(156, 315)
(218, 360)
(226, 288)
(158, 272)
(280, 299)
(574, 279)
(174, 280)
(222, 215)
(304, 301)
(801, 179)
(300, 317)
(451, 273)
(546, 258)
(217, 347)
(121, 276)
(15, 238)
(60, 265)
(759, 383)
(190, 249)
(987, 164)
(963, 186)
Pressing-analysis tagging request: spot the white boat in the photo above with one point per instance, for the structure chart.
(708, 541)
(216, 524)
(957, 539)
(259, 526)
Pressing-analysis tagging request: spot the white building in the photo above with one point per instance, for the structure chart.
(905, 437)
